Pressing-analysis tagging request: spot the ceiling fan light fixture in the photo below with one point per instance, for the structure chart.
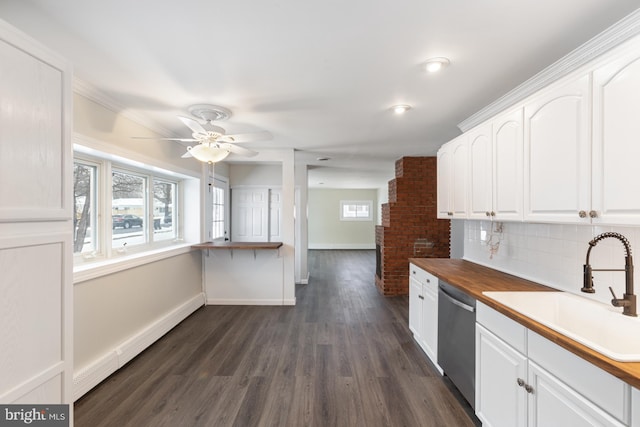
(208, 154)
(401, 108)
(434, 65)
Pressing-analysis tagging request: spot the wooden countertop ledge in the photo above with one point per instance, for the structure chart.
(238, 245)
(475, 279)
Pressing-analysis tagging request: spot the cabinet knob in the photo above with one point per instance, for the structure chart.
(450, 213)
(528, 388)
(487, 213)
(582, 214)
(493, 213)
(420, 296)
(428, 280)
(520, 382)
(414, 272)
(593, 214)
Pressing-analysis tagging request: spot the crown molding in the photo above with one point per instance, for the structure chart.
(89, 91)
(618, 33)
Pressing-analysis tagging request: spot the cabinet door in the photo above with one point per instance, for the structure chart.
(616, 139)
(415, 308)
(553, 403)
(507, 166)
(500, 400)
(444, 182)
(430, 319)
(459, 174)
(250, 215)
(480, 173)
(557, 154)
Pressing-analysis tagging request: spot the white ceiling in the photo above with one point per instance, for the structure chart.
(320, 76)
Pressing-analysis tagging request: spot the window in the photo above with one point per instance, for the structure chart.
(128, 209)
(85, 230)
(219, 194)
(164, 193)
(123, 206)
(356, 210)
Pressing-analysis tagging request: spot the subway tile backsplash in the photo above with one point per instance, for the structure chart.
(551, 254)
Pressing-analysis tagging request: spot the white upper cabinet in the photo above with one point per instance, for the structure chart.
(495, 168)
(507, 170)
(453, 165)
(557, 153)
(616, 139)
(480, 173)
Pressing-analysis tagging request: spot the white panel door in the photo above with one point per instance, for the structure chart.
(507, 166)
(36, 360)
(481, 173)
(250, 215)
(558, 154)
(616, 139)
(275, 215)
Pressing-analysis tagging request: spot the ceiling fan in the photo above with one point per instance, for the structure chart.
(213, 144)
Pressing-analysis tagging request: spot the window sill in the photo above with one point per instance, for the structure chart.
(95, 269)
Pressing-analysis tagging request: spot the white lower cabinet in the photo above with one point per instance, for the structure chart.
(523, 379)
(423, 311)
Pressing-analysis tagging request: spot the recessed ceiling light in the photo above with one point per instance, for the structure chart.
(435, 64)
(401, 108)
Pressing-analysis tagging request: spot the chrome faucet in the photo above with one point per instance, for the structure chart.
(628, 301)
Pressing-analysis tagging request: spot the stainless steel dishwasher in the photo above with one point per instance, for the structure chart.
(457, 338)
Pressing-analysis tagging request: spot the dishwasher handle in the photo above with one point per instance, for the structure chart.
(456, 302)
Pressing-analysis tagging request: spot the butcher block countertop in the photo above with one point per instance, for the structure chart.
(475, 279)
(238, 245)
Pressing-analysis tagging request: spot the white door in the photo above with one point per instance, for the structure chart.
(616, 139)
(36, 243)
(558, 154)
(275, 215)
(500, 399)
(250, 215)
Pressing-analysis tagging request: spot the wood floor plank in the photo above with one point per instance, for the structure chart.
(342, 356)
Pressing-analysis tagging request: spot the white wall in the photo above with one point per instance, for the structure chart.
(383, 197)
(326, 231)
(552, 254)
(126, 310)
(255, 174)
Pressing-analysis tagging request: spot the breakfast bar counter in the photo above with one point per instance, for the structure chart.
(242, 273)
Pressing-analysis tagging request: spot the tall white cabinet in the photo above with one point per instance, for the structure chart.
(35, 223)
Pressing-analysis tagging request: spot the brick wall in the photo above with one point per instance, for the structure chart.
(410, 218)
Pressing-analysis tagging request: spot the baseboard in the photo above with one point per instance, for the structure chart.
(89, 376)
(343, 246)
(220, 301)
(304, 281)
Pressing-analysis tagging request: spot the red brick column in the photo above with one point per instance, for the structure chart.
(409, 216)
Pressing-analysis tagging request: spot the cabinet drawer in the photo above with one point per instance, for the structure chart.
(421, 276)
(508, 330)
(600, 387)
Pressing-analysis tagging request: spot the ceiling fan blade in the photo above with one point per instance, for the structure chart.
(237, 150)
(165, 139)
(192, 124)
(247, 137)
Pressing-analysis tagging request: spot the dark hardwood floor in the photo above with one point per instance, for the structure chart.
(343, 356)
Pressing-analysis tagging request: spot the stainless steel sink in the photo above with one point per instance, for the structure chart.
(598, 326)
